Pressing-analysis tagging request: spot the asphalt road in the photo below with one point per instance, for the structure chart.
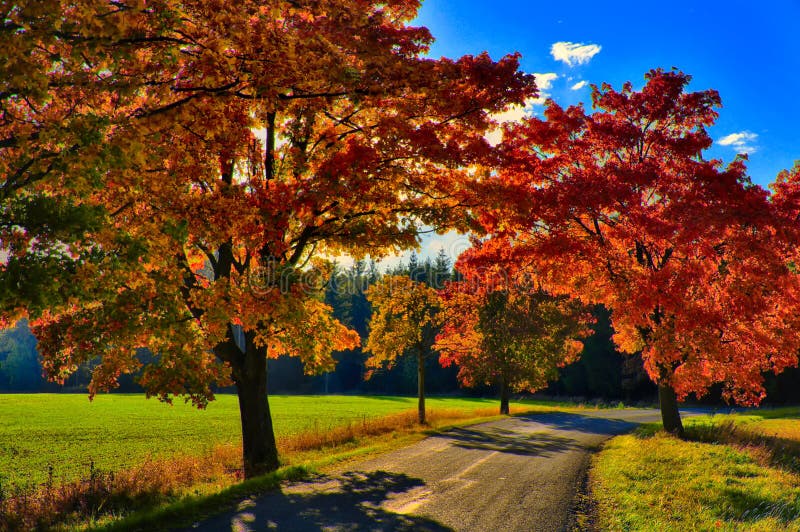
(516, 474)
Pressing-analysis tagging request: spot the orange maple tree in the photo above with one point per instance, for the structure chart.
(620, 207)
(405, 320)
(244, 143)
(511, 334)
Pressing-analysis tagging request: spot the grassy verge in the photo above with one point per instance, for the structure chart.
(157, 492)
(737, 472)
(382, 436)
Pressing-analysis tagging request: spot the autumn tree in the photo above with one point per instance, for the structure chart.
(405, 321)
(620, 207)
(242, 143)
(514, 336)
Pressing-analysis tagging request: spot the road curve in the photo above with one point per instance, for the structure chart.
(516, 474)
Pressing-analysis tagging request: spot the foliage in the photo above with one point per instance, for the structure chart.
(689, 256)
(518, 336)
(405, 319)
(361, 121)
(346, 294)
(68, 73)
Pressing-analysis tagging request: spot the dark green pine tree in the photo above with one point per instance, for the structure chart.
(20, 367)
(442, 270)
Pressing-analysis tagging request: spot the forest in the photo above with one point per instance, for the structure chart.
(601, 373)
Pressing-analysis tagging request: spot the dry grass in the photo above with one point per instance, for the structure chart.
(102, 496)
(114, 493)
(316, 438)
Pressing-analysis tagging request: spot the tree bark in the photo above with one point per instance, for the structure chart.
(421, 385)
(505, 393)
(259, 450)
(670, 416)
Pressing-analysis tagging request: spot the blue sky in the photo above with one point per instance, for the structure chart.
(748, 51)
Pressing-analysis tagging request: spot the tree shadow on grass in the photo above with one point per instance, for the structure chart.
(346, 503)
(411, 400)
(782, 453)
(747, 507)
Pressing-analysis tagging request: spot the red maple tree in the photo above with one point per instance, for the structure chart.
(620, 207)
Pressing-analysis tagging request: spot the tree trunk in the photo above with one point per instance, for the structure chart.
(259, 451)
(421, 386)
(505, 393)
(670, 416)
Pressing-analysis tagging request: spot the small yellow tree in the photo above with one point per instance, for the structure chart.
(405, 320)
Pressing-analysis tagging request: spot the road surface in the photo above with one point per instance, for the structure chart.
(516, 474)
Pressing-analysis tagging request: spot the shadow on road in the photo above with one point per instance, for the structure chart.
(507, 441)
(534, 440)
(590, 424)
(349, 502)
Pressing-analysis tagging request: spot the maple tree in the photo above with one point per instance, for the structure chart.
(405, 320)
(237, 146)
(514, 337)
(620, 207)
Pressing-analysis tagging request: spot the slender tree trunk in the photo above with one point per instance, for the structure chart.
(505, 393)
(421, 385)
(670, 416)
(259, 451)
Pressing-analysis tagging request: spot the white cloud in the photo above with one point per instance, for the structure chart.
(544, 82)
(742, 142)
(578, 86)
(574, 53)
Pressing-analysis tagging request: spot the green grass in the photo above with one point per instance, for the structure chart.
(68, 432)
(736, 472)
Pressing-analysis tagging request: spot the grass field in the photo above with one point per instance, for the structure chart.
(114, 432)
(738, 472)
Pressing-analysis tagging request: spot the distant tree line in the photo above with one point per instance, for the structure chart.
(600, 373)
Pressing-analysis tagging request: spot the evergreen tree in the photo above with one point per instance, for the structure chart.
(442, 270)
(20, 367)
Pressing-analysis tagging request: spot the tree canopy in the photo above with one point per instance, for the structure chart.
(238, 145)
(515, 337)
(174, 176)
(620, 207)
(406, 318)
